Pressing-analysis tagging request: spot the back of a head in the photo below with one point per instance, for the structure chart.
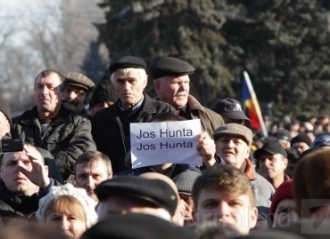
(270, 234)
(136, 226)
(215, 232)
(307, 228)
(312, 180)
(30, 231)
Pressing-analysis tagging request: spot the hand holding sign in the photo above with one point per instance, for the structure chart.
(206, 149)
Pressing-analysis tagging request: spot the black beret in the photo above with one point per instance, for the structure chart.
(79, 80)
(136, 226)
(104, 91)
(154, 191)
(127, 62)
(170, 66)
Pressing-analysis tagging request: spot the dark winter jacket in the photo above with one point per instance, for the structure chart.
(108, 132)
(66, 138)
(209, 119)
(13, 205)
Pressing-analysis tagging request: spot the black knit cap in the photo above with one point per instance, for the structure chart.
(127, 62)
(103, 92)
(154, 191)
(136, 226)
(170, 66)
(5, 109)
(301, 138)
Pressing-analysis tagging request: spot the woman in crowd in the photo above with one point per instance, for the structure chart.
(68, 209)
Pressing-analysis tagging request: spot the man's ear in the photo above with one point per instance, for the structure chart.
(285, 163)
(157, 84)
(46, 169)
(253, 218)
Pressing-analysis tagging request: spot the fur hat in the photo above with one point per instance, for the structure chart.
(312, 180)
(55, 191)
(301, 138)
(104, 91)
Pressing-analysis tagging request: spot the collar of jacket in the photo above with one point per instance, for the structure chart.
(146, 108)
(21, 204)
(31, 116)
(194, 104)
(248, 169)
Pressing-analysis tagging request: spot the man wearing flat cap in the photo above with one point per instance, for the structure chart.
(273, 160)
(110, 126)
(125, 195)
(233, 143)
(78, 89)
(171, 82)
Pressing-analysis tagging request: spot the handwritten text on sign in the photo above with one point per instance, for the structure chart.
(164, 142)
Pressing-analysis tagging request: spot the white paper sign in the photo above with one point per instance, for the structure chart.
(164, 142)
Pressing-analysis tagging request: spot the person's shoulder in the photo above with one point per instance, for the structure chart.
(264, 182)
(28, 114)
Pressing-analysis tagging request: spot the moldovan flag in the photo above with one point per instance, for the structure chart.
(250, 101)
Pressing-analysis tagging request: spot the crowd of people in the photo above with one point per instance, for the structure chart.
(73, 175)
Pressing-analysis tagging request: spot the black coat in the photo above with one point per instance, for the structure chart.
(12, 204)
(66, 138)
(108, 133)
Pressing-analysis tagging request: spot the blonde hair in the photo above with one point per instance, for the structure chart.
(67, 205)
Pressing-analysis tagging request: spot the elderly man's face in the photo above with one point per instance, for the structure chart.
(173, 90)
(75, 99)
(232, 149)
(129, 86)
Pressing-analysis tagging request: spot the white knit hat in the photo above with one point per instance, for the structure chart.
(55, 191)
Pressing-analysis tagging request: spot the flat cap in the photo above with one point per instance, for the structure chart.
(79, 80)
(154, 191)
(136, 226)
(127, 62)
(234, 129)
(170, 66)
(185, 181)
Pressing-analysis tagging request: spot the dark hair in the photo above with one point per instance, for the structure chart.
(46, 73)
(293, 155)
(91, 156)
(165, 117)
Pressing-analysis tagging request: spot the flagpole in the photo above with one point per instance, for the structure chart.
(255, 103)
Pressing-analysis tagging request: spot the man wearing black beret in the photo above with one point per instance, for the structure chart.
(171, 83)
(126, 195)
(110, 126)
